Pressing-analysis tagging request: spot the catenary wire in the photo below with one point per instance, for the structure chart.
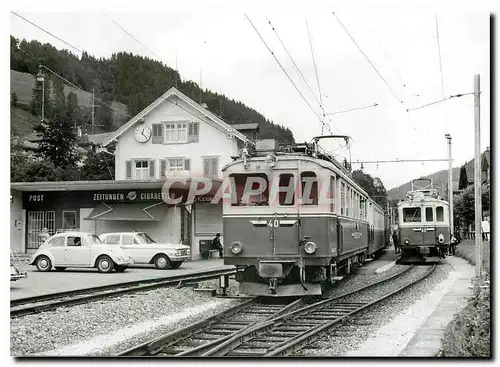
(439, 53)
(294, 63)
(367, 59)
(439, 101)
(281, 66)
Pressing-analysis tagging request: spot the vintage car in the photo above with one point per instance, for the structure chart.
(79, 250)
(144, 250)
(15, 274)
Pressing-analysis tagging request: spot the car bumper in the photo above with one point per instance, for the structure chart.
(180, 258)
(14, 277)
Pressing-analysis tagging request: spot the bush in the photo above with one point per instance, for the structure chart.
(468, 334)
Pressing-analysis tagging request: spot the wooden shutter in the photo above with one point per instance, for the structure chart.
(193, 131)
(152, 169)
(157, 137)
(128, 169)
(163, 167)
(206, 166)
(214, 166)
(187, 164)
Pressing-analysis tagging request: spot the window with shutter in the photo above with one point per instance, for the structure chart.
(128, 169)
(152, 169)
(157, 137)
(214, 167)
(163, 167)
(193, 132)
(206, 166)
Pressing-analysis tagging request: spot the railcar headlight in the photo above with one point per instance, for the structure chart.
(407, 241)
(441, 238)
(271, 160)
(310, 248)
(236, 248)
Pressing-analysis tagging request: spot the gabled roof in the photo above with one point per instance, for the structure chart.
(242, 127)
(220, 124)
(98, 138)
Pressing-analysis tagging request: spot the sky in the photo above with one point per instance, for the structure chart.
(218, 46)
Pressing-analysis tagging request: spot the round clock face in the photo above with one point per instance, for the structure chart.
(142, 133)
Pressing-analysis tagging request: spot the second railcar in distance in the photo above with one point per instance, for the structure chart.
(423, 226)
(283, 235)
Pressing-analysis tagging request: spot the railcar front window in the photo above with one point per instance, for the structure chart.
(309, 188)
(286, 189)
(429, 217)
(440, 214)
(412, 215)
(249, 189)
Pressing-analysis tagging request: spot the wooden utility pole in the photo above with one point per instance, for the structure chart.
(450, 185)
(92, 108)
(477, 177)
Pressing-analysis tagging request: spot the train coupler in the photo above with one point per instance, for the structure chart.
(273, 283)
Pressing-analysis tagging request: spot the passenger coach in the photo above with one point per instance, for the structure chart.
(294, 218)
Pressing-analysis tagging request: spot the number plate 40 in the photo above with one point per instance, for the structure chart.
(273, 223)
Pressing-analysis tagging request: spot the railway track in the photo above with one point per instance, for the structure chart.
(256, 329)
(31, 305)
(197, 338)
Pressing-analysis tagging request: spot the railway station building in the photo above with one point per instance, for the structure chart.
(174, 139)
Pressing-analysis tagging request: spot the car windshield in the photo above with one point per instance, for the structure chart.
(94, 239)
(143, 238)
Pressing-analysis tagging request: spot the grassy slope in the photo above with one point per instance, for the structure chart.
(23, 83)
(22, 121)
(469, 333)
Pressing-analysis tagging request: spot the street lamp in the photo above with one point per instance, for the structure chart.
(450, 185)
(41, 78)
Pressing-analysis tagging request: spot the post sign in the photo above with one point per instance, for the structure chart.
(72, 199)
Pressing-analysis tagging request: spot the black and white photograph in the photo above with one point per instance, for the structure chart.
(248, 179)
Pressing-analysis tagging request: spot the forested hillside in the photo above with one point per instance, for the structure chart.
(135, 81)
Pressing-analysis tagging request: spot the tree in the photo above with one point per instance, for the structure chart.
(38, 171)
(373, 186)
(463, 182)
(97, 166)
(58, 144)
(464, 206)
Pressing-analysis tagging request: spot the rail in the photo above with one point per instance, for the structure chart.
(54, 300)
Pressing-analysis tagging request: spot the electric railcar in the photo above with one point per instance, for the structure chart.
(423, 225)
(295, 217)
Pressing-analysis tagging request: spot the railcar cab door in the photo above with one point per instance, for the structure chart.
(284, 224)
(429, 227)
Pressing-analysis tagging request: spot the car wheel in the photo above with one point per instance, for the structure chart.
(162, 262)
(120, 269)
(175, 264)
(43, 263)
(60, 268)
(105, 264)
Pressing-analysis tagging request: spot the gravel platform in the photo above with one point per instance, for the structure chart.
(106, 327)
(342, 341)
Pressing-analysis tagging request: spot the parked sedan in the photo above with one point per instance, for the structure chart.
(144, 250)
(79, 250)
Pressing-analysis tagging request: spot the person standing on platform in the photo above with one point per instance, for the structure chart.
(395, 239)
(217, 245)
